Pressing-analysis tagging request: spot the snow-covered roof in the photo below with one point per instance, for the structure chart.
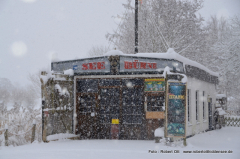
(69, 72)
(170, 54)
(113, 53)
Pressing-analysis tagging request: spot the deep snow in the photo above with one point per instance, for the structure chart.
(226, 139)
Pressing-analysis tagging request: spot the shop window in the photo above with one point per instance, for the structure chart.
(203, 105)
(108, 99)
(127, 119)
(155, 103)
(109, 104)
(132, 82)
(87, 86)
(197, 105)
(87, 104)
(109, 82)
(132, 104)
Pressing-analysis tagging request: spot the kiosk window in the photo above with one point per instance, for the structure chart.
(155, 103)
(109, 104)
(87, 103)
(132, 82)
(203, 106)
(115, 99)
(87, 86)
(109, 82)
(197, 105)
(132, 102)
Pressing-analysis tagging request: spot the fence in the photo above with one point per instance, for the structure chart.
(232, 121)
(6, 133)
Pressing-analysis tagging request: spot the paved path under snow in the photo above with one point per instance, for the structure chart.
(225, 139)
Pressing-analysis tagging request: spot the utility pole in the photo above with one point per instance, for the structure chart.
(136, 26)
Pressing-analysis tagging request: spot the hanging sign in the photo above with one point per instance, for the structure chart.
(154, 85)
(176, 110)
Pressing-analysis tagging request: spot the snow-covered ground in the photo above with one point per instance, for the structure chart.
(224, 139)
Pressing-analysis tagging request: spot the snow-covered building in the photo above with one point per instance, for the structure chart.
(123, 95)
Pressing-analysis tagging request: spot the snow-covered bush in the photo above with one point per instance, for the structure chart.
(20, 123)
(19, 107)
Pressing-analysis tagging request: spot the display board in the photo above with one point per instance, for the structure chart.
(176, 110)
(154, 85)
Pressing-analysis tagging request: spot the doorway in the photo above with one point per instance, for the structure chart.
(109, 109)
(87, 126)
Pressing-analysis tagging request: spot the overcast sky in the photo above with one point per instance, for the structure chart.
(34, 31)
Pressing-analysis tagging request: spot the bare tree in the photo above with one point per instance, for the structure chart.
(163, 24)
(224, 51)
(35, 86)
(19, 108)
(97, 51)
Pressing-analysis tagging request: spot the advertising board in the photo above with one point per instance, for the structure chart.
(176, 110)
(154, 85)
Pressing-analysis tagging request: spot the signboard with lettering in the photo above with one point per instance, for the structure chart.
(126, 63)
(132, 64)
(83, 66)
(154, 85)
(176, 110)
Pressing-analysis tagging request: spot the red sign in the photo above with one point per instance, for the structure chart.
(93, 66)
(139, 65)
(46, 113)
(115, 131)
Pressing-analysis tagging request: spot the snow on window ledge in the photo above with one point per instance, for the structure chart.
(205, 121)
(198, 123)
(189, 124)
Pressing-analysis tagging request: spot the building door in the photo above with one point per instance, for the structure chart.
(109, 105)
(87, 108)
(132, 114)
(210, 118)
(87, 126)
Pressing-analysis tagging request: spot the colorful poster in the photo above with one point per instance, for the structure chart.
(154, 85)
(176, 108)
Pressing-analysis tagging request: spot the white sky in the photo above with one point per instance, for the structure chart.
(34, 31)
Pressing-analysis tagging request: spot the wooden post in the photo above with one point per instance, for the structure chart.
(184, 141)
(44, 135)
(33, 131)
(165, 112)
(6, 135)
(44, 99)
